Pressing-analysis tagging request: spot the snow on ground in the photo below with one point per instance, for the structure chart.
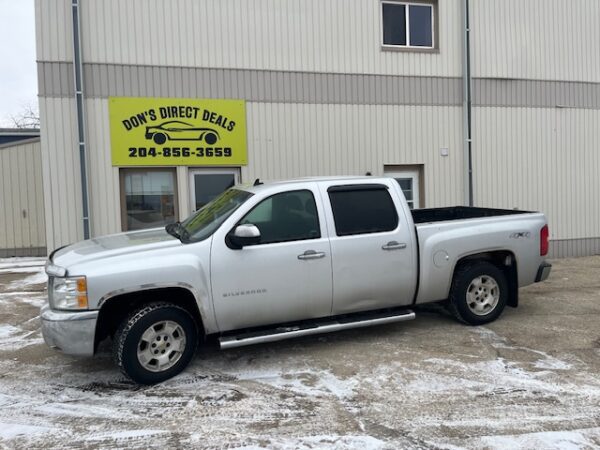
(28, 262)
(429, 383)
(39, 277)
(564, 440)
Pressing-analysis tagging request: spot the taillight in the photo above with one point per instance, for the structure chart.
(544, 234)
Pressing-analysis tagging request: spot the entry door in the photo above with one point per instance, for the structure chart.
(409, 183)
(206, 184)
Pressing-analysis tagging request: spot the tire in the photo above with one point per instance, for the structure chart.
(479, 293)
(210, 138)
(148, 338)
(159, 138)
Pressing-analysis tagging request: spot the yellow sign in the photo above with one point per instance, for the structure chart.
(174, 131)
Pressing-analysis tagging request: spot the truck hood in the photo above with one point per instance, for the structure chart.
(113, 245)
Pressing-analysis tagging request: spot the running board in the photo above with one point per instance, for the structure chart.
(325, 326)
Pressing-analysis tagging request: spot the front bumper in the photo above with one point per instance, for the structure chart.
(71, 332)
(543, 272)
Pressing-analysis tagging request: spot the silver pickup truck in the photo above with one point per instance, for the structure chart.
(271, 261)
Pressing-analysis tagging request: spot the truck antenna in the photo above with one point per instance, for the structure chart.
(257, 182)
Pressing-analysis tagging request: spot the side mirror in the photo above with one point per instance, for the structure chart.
(243, 235)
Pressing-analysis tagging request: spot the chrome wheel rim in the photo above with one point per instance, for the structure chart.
(483, 295)
(161, 346)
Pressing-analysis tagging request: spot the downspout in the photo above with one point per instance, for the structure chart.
(467, 144)
(78, 72)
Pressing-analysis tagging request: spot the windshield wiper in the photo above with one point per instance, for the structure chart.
(177, 230)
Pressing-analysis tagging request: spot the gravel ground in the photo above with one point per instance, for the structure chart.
(529, 380)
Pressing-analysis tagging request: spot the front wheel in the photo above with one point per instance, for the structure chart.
(155, 343)
(479, 293)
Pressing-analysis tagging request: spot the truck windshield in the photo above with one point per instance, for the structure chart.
(207, 219)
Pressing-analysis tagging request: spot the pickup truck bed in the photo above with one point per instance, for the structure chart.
(428, 215)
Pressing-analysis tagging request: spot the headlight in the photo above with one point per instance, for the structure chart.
(68, 293)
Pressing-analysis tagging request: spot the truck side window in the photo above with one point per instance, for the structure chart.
(288, 216)
(359, 211)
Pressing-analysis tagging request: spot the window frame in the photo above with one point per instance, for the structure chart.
(362, 187)
(408, 47)
(314, 197)
(123, 197)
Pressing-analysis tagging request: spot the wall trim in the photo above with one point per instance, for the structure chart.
(27, 251)
(569, 248)
(12, 144)
(119, 80)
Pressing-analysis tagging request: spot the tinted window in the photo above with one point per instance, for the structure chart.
(363, 211)
(420, 25)
(394, 24)
(289, 216)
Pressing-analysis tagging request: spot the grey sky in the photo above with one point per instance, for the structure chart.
(18, 73)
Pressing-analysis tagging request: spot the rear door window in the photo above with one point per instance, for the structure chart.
(362, 210)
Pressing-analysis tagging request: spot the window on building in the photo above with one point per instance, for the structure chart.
(289, 216)
(361, 211)
(408, 25)
(148, 198)
(409, 180)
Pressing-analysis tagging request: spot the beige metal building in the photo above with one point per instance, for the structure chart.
(502, 109)
(22, 227)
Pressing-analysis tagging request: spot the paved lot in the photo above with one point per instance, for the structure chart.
(531, 380)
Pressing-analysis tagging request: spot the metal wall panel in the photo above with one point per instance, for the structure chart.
(22, 227)
(540, 159)
(60, 168)
(105, 209)
(295, 140)
(310, 35)
(54, 30)
(536, 39)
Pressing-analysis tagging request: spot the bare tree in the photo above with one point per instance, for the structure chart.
(29, 117)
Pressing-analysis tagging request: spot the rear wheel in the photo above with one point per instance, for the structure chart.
(479, 293)
(155, 343)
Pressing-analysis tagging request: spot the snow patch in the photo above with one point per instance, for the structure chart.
(13, 338)
(39, 277)
(545, 361)
(128, 434)
(7, 331)
(563, 440)
(304, 382)
(13, 430)
(7, 263)
(325, 441)
(551, 363)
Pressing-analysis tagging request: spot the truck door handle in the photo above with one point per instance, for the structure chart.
(393, 245)
(311, 254)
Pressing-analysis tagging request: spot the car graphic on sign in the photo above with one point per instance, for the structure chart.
(176, 130)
